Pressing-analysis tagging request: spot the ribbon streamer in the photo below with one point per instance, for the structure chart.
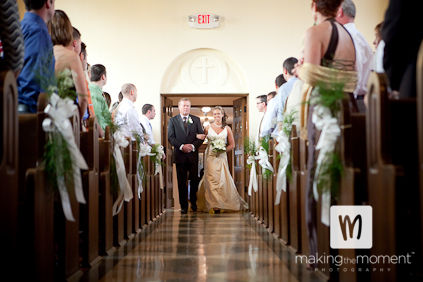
(125, 192)
(264, 159)
(59, 111)
(283, 148)
(330, 131)
(253, 174)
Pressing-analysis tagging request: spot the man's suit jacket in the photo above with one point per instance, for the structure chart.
(177, 136)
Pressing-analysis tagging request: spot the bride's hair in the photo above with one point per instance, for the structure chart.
(224, 117)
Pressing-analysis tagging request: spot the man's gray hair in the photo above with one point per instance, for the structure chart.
(127, 88)
(348, 7)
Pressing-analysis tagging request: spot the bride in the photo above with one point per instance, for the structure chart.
(217, 190)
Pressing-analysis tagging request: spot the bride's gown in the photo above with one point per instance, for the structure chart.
(217, 188)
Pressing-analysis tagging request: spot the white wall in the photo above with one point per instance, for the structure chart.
(138, 40)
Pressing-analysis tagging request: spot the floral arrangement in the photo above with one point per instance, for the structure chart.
(250, 149)
(284, 149)
(327, 104)
(218, 145)
(157, 155)
(267, 169)
(62, 159)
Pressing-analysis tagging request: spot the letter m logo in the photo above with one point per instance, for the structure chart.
(347, 221)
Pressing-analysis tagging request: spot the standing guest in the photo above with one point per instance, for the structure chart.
(38, 58)
(261, 103)
(116, 104)
(11, 39)
(402, 34)
(126, 114)
(271, 95)
(364, 53)
(98, 80)
(83, 57)
(379, 47)
(284, 90)
(76, 40)
(279, 81)
(108, 99)
(148, 113)
(60, 29)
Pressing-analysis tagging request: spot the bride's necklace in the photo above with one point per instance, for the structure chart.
(219, 127)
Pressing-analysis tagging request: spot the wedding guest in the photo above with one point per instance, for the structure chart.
(108, 99)
(76, 40)
(284, 90)
(148, 113)
(279, 81)
(402, 37)
(38, 58)
(11, 39)
(364, 54)
(115, 105)
(126, 114)
(60, 29)
(329, 54)
(379, 47)
(83, 57)
(271, 95)
(261, 103)
(98, 80)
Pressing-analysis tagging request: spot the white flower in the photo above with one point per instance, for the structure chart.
(218, 145)
(190, 120)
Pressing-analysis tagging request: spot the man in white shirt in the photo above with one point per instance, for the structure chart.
(126, 115)
(364, 54)
(261, 103)
(284, 90)
(148, 113)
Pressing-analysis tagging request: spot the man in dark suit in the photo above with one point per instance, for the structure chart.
(182, 134)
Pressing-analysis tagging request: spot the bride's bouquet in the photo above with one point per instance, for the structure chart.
(218, 145)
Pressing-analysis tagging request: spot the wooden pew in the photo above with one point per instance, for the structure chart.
(392, 176)
(143, 205)
(36, 199)
(128, 206)
(294, 195)
(89, 213)
(66, 233)
(270, 185)
(303, 158)
(134, 183)
(106, 197)
(276, 209)
(9, 166)
(419, 71)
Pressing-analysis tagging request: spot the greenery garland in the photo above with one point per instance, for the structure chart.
(266, 146)
(57, 158)
(330, 96)
(250, 149)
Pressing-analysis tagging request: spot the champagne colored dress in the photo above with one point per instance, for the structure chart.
(217, 188)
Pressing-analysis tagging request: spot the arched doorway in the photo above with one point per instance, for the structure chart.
(209, 78)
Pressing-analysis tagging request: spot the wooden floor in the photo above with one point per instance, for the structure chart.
(202, 247)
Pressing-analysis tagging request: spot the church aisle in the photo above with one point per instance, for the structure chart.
(202, 247)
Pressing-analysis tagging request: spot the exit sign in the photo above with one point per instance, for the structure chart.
(203, 20)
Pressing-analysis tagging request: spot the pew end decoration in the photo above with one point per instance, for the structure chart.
(284, 150)
(63, 160)
(157, 155)
(250, 149)
(327, 102)
(263, 157)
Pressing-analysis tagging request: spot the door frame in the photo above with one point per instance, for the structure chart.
(164, 96)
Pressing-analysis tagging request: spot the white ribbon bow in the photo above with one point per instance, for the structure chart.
(253, 174)
(158, 167)
(264, 159)
(125, 189)
(283, 148)
(330, 131)
(59, 111)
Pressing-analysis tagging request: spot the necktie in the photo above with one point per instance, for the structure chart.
(185, 124)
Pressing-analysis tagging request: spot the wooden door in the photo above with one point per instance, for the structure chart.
(239, 129)
(166, 116)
